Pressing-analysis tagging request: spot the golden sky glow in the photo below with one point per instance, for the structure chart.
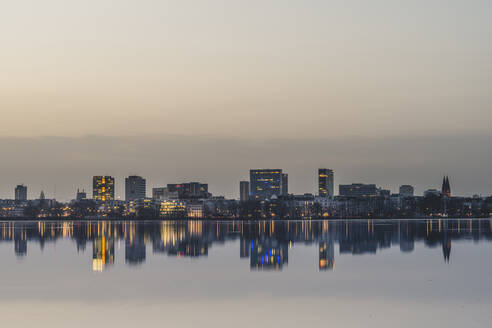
(269, 68)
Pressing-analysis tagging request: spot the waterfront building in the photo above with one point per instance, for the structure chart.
(135, 188)
(432, 193)
(244, 191)
(162, 193)
(406, 191)
(195, 210)
(265, 183)
(172, 209)
(326, 186)
(102, 188)
(21, 193)
(193, 190)
(285, 184)
(358, 190)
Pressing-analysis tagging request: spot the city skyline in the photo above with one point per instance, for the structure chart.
(63, 164)
(232, 163)
(135, 188)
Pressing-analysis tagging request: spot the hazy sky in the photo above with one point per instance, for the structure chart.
(265, 68)
(341, 73)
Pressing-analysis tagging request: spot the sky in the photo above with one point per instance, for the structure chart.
(253, 72)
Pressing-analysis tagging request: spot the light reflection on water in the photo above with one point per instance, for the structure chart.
(311, 269)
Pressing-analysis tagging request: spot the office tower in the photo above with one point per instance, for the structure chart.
(158, 193)
(446, 187)
(265, 183)
(193, 190)
(285, 184)
(81, 195)
(102, 188)
(406, 191)
(244, 191)
(358, 190)
(21, 193)
(326, 185)
(135, 187)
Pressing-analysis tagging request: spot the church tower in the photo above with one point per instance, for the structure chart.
(446, 187)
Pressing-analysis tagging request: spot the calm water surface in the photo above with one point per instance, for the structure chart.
(246, 274)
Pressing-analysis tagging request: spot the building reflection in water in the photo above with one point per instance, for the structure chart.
(102, 253)
(326, 256)
(265, 243)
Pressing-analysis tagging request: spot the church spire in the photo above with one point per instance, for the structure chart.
(446, 187)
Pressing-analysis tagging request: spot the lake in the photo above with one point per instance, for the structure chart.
(353, 273)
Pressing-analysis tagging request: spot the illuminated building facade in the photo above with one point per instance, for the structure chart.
(244, 191)
(172, 209)
(195, 210)
(326, 186)
(135, 187)
(265, 183)
(103, 188)
(21, 193)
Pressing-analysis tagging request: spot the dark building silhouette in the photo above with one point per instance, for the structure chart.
(358, 190)
(21, 193)
(135, 188)
(244, 191)
(81, 195)
(446, 187)
(285, 184)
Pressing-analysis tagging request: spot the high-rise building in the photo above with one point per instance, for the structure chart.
(135, 188)
(102, 188)
(190, 190)
(244, 191)
(162, 193)
(326, 185)
(21, 193)
(285, 184)
(265, 183)
(446, 187)
(406, 191)
(358, 190)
